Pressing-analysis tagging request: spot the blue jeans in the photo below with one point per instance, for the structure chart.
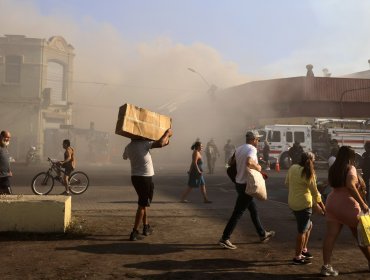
(243, 202)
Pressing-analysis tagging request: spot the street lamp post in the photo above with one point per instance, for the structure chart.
(192, 70)
(211, 88)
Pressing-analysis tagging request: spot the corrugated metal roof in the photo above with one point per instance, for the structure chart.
(304, 88)
(284, 90)
(334, 89)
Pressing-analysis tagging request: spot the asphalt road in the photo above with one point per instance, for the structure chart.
(185, 241)
(110, 186)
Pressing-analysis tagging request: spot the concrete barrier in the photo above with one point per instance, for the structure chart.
(33, 213)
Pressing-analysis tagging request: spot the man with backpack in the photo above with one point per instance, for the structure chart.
(245, 157)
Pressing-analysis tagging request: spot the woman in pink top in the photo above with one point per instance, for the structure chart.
(343, 205)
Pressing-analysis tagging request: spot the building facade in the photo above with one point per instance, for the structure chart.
(297, 100)
(35, 88)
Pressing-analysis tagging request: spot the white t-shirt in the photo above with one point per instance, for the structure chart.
(241, 154)
(137, 151)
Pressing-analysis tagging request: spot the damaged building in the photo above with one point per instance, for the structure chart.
(36, 77)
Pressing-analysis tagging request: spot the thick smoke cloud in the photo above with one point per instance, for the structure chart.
(110, 70)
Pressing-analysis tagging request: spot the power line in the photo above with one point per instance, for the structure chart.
(94, 106)
(125, 85)
(59, 78)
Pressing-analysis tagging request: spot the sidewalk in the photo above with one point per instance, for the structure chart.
(184, 246)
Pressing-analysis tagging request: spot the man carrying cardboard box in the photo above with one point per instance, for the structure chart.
(142, 172)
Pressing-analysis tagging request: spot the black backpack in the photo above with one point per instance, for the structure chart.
(231, 170)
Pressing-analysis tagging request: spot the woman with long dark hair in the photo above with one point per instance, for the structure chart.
(343, 205)
(196, 179)
(301, 181)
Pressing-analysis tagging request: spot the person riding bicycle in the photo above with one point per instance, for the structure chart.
(69, 164)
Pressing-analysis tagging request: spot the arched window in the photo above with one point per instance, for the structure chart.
(13, 69)
(55, 81)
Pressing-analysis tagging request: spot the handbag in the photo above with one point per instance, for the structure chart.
(256, 185)
(363, 229)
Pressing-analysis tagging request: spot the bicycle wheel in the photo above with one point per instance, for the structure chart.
(78, 182)
(42, 183)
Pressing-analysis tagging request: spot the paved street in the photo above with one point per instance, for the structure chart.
(110, 187)
(184, 243)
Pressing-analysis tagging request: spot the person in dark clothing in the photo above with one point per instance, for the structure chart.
(295, 152)
(334, 147)
(229, 149)
(266, 154)
(5, 171)
(366, 167)
(212, 154)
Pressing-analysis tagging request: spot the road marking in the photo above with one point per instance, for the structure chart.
(223, 190)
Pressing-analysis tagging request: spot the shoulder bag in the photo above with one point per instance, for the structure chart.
(363, 229)
(256, 185)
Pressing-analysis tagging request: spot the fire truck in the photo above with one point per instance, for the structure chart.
(317, 138)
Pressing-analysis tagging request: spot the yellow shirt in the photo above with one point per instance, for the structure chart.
(301, 190)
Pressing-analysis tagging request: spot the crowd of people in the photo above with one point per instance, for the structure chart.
(348, 198)
(342, 208)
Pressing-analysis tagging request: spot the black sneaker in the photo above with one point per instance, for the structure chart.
(302, 261)
(307, 255)
(147, 230)
(134, 235)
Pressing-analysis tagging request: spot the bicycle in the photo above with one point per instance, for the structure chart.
(43, 182)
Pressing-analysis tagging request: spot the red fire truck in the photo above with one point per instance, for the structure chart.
(317, 138)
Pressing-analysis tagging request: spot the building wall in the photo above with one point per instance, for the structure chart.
(25, 108)
(30, 51)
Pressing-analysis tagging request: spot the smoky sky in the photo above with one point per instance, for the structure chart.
(110, 70)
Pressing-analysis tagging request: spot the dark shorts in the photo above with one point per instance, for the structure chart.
(67, 169)
(5, 185)
(303, 218)
(144, 188)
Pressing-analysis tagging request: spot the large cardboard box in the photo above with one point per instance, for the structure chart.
(135, 122)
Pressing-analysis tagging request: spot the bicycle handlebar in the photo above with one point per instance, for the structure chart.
(52, 161)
